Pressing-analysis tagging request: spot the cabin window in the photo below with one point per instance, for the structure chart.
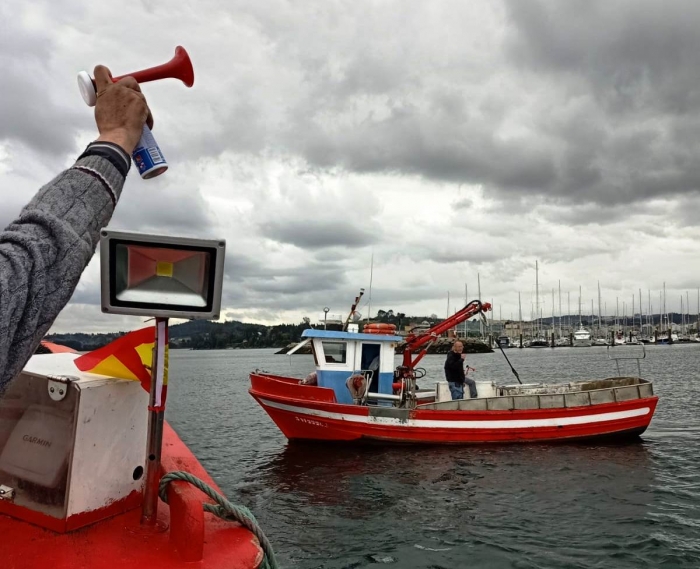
(335, 352)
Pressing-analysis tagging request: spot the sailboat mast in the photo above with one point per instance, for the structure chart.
(666, 313)
(598, 306)
(552, 311)
(371, 275)
(560, 308)
(520, 314)
(579, 306)
(537, 295)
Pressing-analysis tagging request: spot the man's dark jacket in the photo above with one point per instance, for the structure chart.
(454, 372)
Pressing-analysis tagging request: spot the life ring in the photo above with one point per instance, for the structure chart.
(379, 328)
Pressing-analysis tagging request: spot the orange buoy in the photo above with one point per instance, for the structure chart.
(379, 328)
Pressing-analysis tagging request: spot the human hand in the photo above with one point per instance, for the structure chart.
(463, 356)
(121, 110)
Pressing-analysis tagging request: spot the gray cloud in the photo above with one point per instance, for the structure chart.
(318, 234)
(34, 111)
(474, 138)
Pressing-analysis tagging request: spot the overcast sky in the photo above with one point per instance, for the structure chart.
(450, 139)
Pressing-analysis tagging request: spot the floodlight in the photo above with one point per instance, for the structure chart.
(161, 276)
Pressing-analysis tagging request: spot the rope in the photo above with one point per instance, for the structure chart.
(224, 510)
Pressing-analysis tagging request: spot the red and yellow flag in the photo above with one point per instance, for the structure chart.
(127, 357)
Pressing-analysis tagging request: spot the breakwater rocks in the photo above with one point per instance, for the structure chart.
(440, 346)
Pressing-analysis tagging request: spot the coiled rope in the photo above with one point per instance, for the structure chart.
(224, 510)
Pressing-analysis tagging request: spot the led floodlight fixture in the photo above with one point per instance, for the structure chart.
(161, 276)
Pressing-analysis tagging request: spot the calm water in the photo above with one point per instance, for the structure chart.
(530, 506)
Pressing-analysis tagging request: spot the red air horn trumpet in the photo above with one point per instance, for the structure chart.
(147, 156)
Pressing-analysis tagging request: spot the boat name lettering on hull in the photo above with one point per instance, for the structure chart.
(310, 422)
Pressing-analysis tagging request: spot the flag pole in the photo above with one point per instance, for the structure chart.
(156, 416)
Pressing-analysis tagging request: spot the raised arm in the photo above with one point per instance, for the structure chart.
(45, 250)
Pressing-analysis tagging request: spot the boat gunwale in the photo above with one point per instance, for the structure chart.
(431, 408)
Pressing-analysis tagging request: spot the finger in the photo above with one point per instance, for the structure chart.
(103, 78)
(129, 82)
(149, 120)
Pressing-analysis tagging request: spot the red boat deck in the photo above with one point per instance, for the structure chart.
(186, 533)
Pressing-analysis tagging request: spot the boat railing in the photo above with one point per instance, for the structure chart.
(637, 358)
(641, 389)
(383, 397)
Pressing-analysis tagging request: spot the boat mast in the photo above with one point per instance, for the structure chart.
(598, 307)
(668, 324)
(520, 316)
(537, 297)
(568, 310)
(481, 320)
(632, 312)
(579, 307)
(560, 308)
(466, 301)
(552, 311)
(369, 299)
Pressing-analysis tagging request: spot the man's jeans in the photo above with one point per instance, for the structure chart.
(457, 389)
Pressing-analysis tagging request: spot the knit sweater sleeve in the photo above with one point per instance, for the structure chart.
(44, 252)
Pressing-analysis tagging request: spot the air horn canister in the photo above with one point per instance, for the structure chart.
(147, 155)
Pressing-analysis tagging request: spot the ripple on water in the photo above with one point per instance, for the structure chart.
(564, 506)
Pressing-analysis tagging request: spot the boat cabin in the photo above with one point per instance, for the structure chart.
(341, 355)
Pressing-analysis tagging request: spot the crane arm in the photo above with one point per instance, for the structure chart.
(415, 341)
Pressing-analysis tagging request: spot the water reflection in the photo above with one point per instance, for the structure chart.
(321, 471)
(440, 501)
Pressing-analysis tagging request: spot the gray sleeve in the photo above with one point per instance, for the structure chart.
(44, 252)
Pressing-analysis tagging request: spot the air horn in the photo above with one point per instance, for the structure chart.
(147, 155)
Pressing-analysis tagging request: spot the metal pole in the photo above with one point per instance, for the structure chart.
(156, 416)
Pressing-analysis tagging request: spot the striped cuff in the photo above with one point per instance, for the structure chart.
(103, 170)
(112, 152)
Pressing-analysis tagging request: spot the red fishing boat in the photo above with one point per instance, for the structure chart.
(72, 452)
(356, 394)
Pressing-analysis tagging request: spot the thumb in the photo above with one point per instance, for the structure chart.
(103, 78)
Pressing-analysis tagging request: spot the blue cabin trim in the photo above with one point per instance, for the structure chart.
(353, 336)
(336, 363)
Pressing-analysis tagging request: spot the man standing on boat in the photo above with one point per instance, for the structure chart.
(45, 250)
(455, 374)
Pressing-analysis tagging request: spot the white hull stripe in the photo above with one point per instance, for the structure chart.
(437, 424)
